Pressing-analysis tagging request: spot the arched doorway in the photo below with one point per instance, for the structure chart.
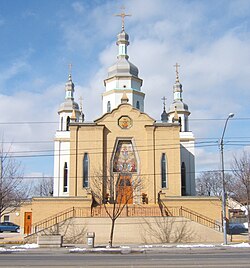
(124, 190)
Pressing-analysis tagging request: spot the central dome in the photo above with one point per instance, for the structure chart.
(123, 67)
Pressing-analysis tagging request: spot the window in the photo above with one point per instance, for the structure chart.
(138, 105)
(6, 218)
(163, 171)
(86, 170)
(108, 107)
(65, 177)
(183, 179)
(68, 121)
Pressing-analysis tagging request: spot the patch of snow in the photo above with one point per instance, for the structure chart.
(77, 250)
(95, 249)
(10, 250)
(26, 246)
(146, 246)
(196, 246)
(241, 245)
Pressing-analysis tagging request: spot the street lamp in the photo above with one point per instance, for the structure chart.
(224, 216)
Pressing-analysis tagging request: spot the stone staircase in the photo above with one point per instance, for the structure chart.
(52, 224)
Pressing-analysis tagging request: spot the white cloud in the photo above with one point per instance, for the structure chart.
(16, 67)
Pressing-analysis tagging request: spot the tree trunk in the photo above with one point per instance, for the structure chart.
(112, 233)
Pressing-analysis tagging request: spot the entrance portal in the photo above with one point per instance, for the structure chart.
(124, 190)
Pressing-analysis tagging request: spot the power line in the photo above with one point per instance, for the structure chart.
(96, 151)
(138, 175)
(141, 120)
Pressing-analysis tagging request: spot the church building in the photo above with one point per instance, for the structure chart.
(125, 156)
(125, 142)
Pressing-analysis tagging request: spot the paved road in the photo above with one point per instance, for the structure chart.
(174, 258)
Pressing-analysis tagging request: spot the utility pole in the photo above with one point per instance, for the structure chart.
(224, 215)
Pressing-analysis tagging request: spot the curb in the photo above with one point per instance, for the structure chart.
(107, 251)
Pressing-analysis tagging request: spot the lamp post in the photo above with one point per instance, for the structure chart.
(224, 216)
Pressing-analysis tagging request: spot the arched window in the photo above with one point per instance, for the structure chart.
(86, 170)
(163, 171)
(61, 123)
(65, 177)
(138, 105)
(183, 179)
(108, 107)
(68, 121)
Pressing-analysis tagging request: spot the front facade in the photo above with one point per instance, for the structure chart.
(125, 143)
(123, 157)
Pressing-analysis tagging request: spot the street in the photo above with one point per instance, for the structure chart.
(169, 258)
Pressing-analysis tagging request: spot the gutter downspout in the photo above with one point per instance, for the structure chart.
(154, 166)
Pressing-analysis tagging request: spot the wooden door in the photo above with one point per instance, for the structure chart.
(27, 222)
(124, 189)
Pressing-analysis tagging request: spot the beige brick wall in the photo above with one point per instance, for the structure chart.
(150, 142)
(207, 206)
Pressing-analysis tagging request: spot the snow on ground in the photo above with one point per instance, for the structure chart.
(196, 246)
(95, 249)
(241, 245)
(10, 250)
(26, 246)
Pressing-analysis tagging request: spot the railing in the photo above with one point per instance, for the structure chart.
(199, 218)
(61, 217)
(128, 211)
(191, 215)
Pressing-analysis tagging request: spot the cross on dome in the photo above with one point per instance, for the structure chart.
(177, 71)
(164, 102)
(123, 15)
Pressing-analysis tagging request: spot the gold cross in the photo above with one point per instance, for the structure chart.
(164, 101)
(177, 71)
(123, 15)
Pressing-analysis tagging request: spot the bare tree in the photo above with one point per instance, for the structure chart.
(209, 183)
(241, 171)
(12, 188)
(43, 187)
(114, 193)
(166, 230)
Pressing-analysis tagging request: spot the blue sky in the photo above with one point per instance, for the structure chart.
(209, 39)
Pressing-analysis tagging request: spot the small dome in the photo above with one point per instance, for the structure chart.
(179, 106)
(177, 86)
(68, 105)
(122, 37)
(164, 116)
